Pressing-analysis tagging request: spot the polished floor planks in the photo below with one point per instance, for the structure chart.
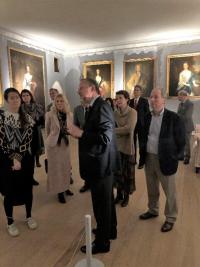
(60, 234)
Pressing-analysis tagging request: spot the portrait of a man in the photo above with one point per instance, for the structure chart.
(139, 72)
(27, 72)
(184, 74)
(102, 73)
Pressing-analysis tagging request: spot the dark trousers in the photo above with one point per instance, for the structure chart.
(137, 135)
(103, 207)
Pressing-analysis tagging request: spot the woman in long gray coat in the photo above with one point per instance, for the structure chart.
(57, 148)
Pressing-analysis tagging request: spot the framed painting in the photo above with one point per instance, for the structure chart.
(27, 72)
(183, 73)
(102, 73)
(139, 72)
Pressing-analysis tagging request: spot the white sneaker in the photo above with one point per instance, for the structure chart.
(12, 230)
(32, 224)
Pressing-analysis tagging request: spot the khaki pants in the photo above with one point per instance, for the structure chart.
(153, 177)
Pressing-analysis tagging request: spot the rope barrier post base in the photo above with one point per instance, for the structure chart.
(89, 261)
(94, 263)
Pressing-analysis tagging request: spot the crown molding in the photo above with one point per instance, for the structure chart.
(29, 41)
(137, 46)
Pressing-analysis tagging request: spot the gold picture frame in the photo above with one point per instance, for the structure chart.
(183, 73)
(103, 73)
(139, 72)
(26, 70)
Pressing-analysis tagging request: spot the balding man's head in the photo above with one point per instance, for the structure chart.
(157, 100)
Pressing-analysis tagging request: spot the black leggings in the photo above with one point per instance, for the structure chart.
(8, 207)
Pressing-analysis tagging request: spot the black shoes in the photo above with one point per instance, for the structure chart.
(69, 193)
(113, 234)
(98, 248)
(34, 182)
(61, 198)
(122, 198)
(167, 226)
(147, 215)
(38, 165)
(186, 161)
(125, 200)
(84, 188)
(140, 166)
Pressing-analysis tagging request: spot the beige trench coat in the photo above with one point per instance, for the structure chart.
(59, 165)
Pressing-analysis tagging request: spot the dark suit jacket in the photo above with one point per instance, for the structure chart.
(97, 146)
(185, 111)
(142, 109)
(171, 141)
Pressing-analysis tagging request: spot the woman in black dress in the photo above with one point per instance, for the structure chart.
(16, 150)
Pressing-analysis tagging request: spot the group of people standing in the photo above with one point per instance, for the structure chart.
(107, 154)
(21, 144)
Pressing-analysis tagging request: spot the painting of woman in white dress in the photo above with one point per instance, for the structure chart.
(183, 73)
(27, 72)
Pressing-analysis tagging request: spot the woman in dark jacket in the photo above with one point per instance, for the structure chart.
(36, 112)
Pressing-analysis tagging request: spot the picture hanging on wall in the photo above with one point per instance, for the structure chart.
(139, 72)
(27, 72)
(183, 73)
(1, 91)
(102, 72)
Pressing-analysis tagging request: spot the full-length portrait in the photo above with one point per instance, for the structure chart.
(139, 72)
(27, 72)
(183, 73)
(102, 73)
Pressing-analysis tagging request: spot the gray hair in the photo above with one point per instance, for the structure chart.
(183, 92)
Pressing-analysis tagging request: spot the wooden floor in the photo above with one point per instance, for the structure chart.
(60, 234)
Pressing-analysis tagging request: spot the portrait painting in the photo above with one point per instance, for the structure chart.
(183, 73)
(102, 73)
(27, 72)
(139, 72)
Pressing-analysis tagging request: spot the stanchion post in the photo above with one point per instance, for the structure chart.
(88, 240)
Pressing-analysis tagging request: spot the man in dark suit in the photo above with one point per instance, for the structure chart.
(141, 105)
(163, 140)
(185, 111)
(97, 157)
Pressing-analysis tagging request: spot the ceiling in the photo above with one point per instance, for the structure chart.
(74, 25)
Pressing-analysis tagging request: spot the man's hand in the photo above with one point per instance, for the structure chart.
(74, 130)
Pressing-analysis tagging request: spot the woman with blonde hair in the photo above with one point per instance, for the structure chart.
(57, 148)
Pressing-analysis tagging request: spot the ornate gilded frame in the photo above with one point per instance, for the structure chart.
(107, 71)
(175, 66)
(18, 60)
(148, 72)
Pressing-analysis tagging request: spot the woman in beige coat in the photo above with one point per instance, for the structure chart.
(57, 148)
(125, 118)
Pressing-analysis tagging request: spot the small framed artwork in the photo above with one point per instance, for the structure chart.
(183, 73)
(27, 72)
(102, 73)
(139, 72)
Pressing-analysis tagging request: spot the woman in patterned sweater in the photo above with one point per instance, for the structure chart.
(16, 159)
